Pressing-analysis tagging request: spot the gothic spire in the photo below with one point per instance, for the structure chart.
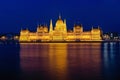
(51, 26)
(64, 21)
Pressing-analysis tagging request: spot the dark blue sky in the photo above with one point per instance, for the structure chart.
(15, 14)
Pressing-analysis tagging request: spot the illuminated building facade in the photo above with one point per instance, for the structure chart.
(60, 33)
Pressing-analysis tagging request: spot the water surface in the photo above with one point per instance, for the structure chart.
(61, 61)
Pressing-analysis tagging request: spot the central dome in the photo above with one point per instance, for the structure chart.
(59, 21)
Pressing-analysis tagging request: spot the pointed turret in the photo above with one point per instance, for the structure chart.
(26, 28)
(38, 24)
(51, 27)
(92, 27)
(64, 21)
(65, 28)
(81, 25)
(21, 29)
(98, 27)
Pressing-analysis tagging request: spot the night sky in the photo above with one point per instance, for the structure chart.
(17, 14)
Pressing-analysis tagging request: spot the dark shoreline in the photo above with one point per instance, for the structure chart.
(66, 41)
(16, 41)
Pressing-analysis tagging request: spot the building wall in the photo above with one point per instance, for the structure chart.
(60, 34)
(56, 36)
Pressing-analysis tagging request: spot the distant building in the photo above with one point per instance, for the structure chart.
(9, 36)
(60, 33)
(106, 36)
(111, 36)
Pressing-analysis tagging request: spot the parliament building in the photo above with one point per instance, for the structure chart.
(61, 33)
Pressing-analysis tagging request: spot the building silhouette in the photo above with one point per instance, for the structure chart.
(61, 33)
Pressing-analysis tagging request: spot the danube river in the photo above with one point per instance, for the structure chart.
(60, 61)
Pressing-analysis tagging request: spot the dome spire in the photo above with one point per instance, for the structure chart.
(59, 16)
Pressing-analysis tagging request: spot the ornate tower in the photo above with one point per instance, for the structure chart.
(51, 27)
(65, 26)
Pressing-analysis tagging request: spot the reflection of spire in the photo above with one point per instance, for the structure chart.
(51, 26)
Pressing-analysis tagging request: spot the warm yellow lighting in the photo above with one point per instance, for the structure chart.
(16, 37)
(59, 33)
(3, 37)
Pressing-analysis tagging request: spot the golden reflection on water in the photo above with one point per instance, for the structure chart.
(58, 60)
(61, 61)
